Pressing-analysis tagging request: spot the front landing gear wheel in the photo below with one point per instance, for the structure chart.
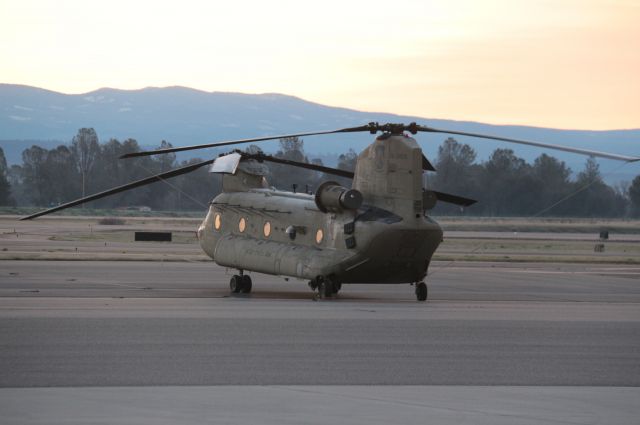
(421, 291)
(235, 284)
(239, 284)
(246, 284)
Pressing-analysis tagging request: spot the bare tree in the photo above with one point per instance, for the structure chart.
(5, 186)
(85, 149)
(634, 196)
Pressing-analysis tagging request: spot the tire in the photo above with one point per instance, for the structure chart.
(313, 284)
(326, 288)
(421, 291)
(235, 284)
(337, 286)
(246, 284)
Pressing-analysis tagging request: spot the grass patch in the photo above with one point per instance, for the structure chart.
(544, 251)
(541, 225)
(491, 224)
(122, 236)
(76, 212)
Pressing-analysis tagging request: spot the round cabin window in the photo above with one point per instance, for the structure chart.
(319, 236)
(217, 222)
(242, 225)
(267, 229)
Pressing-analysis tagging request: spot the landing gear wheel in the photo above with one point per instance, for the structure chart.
(325, 288)
(313, 284)
(235, 284)
(336, 287)
(421, 291)
(246, 284)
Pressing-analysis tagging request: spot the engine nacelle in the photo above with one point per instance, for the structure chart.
(331, 197)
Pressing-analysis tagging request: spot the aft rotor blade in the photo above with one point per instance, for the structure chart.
(328, 170)
(454, 199)
(237, 142)
(426, 165)
(138, 183)
(538, 144)
(441, 196)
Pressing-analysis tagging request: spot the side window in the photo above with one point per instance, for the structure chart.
(266, 229)
(242, 225)
(319, 236)
(217, 221)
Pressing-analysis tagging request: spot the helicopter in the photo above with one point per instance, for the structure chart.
(377, 231)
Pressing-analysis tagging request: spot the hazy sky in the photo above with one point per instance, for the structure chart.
(556, 63)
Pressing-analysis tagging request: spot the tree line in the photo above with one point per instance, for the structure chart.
(504, 184)
(507, 185)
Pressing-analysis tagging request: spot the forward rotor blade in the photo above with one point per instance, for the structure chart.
(538, 144)
(454, 199)
(328, 170)
(236, 142)
(142, 182)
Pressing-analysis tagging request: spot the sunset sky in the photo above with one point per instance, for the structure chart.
(563, 63)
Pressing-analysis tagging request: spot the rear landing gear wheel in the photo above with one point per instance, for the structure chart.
(325, 288)
(313, 284)
(421, 291)
(246, 284)
(336, 287)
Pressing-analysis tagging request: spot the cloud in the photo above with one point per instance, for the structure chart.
(19, 118)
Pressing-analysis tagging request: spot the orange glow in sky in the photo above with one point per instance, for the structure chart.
(562, 63)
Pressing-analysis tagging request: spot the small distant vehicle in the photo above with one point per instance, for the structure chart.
(376, 231)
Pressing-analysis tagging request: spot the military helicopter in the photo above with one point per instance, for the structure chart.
(376, 231)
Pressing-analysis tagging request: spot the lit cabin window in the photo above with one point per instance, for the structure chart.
(217, 222)
(267, 229)
(319, 236)
(242, 225)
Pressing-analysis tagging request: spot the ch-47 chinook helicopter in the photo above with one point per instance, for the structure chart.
(377, 231)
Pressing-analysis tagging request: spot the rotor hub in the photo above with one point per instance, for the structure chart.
(393, 129)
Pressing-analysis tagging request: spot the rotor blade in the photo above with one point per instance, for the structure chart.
(426, 165)
(441, 196)
(148, 180)
(236, 142)
(328, 170)
(454, 199)
(538, 144)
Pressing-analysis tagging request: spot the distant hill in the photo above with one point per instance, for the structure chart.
(184, 116)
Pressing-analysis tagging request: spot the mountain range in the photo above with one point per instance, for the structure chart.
(185, 116)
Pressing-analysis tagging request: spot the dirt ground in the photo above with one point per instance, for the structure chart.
(537, 240)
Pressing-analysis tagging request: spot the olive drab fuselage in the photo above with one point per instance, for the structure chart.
(387, 239)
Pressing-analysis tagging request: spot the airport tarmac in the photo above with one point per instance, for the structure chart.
(495, 343)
